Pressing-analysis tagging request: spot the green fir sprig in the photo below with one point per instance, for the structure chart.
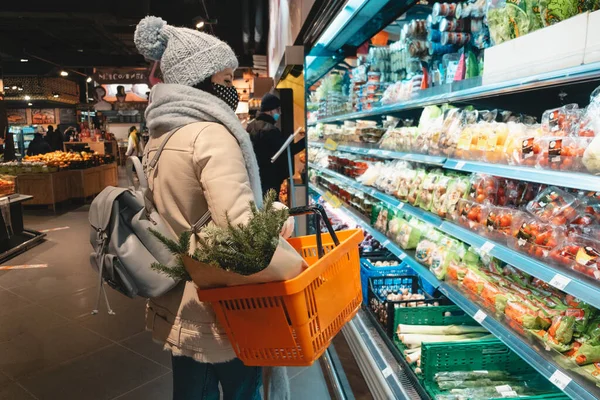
(243, 249)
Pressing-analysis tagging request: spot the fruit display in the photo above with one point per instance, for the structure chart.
(7, 185)
(52, 162)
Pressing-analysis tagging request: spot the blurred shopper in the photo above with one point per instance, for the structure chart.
(55, 138)
(135, 147)
(39, 145)
(267, 139)
(207, 165)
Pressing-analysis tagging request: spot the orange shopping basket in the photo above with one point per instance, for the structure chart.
(291, 323)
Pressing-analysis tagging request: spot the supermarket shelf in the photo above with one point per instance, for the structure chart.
(530, 351)
(376, 152)
(575, 387)
(425, 273)
(478, 90)
(567, 179)
(384, 376)
(548, 177)
(568, 281)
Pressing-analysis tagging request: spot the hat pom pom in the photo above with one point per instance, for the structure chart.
(149, 39)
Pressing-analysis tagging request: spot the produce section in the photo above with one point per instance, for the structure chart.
(467, 152)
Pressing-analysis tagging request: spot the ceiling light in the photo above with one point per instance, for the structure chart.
(14, 87)
(80, 50)
(24, 60)
(27, 97)
(6, 87)
(55, 95)
(20, 89)
(90, 99)
(89, 79)
(64, 73)
(200, 25)
(29, 104)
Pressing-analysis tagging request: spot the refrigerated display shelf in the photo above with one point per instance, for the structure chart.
(549, 177)
(457, 92)
(373, 151)
(531, 351)
(361, 221)
(568, 281)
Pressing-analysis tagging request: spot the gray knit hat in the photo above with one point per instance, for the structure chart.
(186, 56)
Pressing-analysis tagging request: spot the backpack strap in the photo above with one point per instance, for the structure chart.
(206, 217)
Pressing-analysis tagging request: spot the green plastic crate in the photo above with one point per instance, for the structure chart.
(440, 315)
(490, 355)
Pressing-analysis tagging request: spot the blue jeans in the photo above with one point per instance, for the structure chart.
(193, 380)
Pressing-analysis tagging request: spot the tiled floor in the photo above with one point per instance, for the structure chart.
(51, 348)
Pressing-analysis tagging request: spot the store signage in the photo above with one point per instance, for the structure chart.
(121, 75)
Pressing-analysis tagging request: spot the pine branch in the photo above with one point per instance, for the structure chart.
(244, 249)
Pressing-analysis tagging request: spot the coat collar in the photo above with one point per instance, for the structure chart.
(265, 118)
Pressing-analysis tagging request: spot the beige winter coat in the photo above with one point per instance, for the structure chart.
(201, 168)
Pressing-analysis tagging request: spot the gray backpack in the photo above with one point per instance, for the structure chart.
(124, 248)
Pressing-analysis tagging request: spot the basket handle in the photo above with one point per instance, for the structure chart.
(319, 213)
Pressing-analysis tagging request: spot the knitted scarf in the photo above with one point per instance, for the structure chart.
(173, 106)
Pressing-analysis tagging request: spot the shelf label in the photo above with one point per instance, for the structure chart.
(560, 281)
(460, 165)
(560, 379)
(330, 145)
(479, 316)
(332, 199)
(402, 256)
(400, 205)
(509, 393)
(387, 372)
(373, 151)
(487, 247)
(386, 243)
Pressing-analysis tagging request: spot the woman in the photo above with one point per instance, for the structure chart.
(135, 147)
(207, 164)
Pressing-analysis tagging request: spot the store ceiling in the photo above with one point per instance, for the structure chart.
(83, 34)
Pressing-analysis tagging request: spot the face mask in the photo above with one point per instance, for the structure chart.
(228, 94)
(276, 117)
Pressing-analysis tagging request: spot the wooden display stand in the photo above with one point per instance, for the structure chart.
(57, 187)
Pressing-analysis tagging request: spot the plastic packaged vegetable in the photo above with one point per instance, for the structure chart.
(563, 153)
(484, 189)
(410, 233)
(458, 188)
(415, 186)
(471, 214)
(534, 237)
(499, 222)
(440, 192)
(554, 205)
(425, 194)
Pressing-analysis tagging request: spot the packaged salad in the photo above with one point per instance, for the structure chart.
(406, 178)
(425, 193)
(440, 191)
(458, 188)
(554, 205)
(410, 233)
(441, 257)
(415, 186)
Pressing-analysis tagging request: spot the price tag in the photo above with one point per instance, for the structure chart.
(387, 372)
(385, 244)
(402, 256)
(560, 379)
(460, 165)
(400, 205)
(487, 247)
(560, 281)
(330, 145)
(373, 151)
(479, 316)
(509, 393)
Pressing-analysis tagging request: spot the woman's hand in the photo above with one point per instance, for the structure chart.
(287, 230)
